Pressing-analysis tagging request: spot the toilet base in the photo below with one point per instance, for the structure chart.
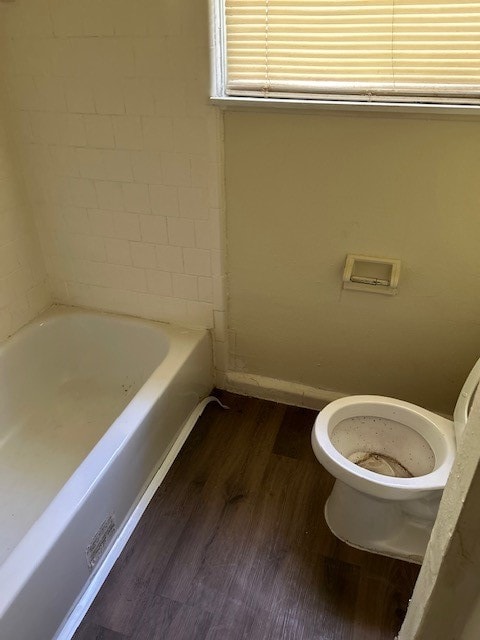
(398, 529)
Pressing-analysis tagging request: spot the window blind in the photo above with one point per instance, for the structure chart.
(428, 50)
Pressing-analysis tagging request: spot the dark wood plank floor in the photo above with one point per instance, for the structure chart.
(234, 545)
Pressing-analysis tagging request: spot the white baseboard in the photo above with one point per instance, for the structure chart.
(292, 393)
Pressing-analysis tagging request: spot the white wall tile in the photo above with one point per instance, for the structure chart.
(158, 133)
(219, 293)
(197, 262)
(71, 129)
(147, 166)
(144, 255)
(99, 131)
(169, 258)
(64, 161)
(78, 96)
(101, 222)
(159, 282)
(220, 320)
(151, 58)
(163, 308)
(135, 197)
(117, 165)
(164, 200)
(23, 279)
(95, 249)
(64, 191)
(91, 164)
(181, 232)
(138, 96)
(128, 132)
(154, 229)
(193, 202)
(185, 286)
(9, 260)
(97, 18)
(103, 57)
(221, 358)
(81, 192)
(118, 251)
(66, 18)
(39, 298)
(171, 103)
(50, 94)
(205, 234)
(205, 289)
(176, 169)
(76, 219)
(218, 262)
(126, 226)
(190, 134)
(200, 314)
(109, 195)
(129, 20)
(44, 127)
(109, 101)
(108, 97)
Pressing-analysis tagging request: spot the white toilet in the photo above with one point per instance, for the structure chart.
(391, 460)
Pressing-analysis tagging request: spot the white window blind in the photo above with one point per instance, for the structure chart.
(425, 50)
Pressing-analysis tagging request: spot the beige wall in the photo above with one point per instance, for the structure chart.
(303, 191)
(121, 152)
(23, 289)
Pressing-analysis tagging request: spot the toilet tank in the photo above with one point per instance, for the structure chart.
(465, 401)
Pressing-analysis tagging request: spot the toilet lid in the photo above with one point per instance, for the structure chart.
(465, 400)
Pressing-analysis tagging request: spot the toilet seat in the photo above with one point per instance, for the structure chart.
(437, 431)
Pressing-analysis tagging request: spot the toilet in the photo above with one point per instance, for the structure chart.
(391, 460)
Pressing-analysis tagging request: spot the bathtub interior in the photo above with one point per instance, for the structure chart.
(63, 381)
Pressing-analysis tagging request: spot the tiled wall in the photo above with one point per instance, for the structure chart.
(23, 289)
(121, 152)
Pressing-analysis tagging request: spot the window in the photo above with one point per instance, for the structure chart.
(425, 51)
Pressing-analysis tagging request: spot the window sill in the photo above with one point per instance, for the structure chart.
(229, 102)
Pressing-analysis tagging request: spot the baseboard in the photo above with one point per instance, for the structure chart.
(293, 393)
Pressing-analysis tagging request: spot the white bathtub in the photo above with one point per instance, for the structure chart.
(90, 405)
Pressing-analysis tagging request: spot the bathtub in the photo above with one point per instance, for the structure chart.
(90, 405)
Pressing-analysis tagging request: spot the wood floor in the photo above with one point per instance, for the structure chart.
(234, 545)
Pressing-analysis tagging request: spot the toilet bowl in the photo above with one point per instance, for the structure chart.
(391, 460)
